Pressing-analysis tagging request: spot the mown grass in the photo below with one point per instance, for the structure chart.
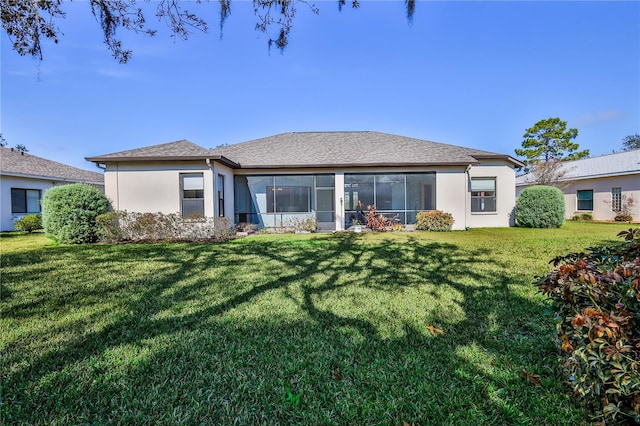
(286, 329)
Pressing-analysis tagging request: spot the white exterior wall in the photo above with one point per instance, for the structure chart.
(602, 192)
(505, 196)
(7, 219)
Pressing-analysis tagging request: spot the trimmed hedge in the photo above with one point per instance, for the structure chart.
(121, 226)
(69, 212)
(540, 206)
(596, 301)
(434, 220)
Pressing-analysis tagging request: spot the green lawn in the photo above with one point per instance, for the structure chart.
(286, 329)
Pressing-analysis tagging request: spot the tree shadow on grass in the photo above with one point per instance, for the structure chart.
(153, 333)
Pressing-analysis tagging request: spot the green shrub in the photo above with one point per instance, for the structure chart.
(540, 207)
(582, 216)
(29, 223)
(623, 218)
(434, 220)
(69, 212)
(109, 226)
(596, 300)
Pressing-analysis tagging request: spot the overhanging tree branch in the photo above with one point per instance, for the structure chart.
(29, 22)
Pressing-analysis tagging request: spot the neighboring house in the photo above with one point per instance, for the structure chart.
(24, 178)
(275, 180)
(598, 185)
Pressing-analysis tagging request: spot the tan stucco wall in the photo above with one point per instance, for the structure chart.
(451, 187)
(220, 169)
(602, 192)
(153, 187)
(452, 191)
(505, 196)
(601, 187)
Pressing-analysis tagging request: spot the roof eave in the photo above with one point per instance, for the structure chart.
(586, 177)
(353, 165)
(508, 158)
(220, 158)
(55, 178)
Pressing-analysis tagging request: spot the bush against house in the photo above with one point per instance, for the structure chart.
(596, 301)
(120, 226)
(624, 209)
(434, 220)
(29, 223)
(69, 212)
(540, 206)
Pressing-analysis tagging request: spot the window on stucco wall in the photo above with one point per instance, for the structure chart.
(483, 195)
(192, 185)
(585, 199)
(616, 199)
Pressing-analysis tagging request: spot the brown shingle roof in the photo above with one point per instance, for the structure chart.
(171, 150)
(179, 150)
(315, 149)
(14, 163)
(349, 149)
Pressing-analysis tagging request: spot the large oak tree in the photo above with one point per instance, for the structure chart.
(29, 22)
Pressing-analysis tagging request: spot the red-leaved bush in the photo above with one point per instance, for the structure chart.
(596, 301)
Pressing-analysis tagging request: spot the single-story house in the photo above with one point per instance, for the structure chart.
(24, 178)
(322, 175)
(599, 185)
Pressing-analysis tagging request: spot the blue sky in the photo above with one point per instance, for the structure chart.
(474, 74)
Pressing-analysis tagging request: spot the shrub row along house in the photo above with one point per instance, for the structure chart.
(603, 187)
(24, 178)
(320, 175)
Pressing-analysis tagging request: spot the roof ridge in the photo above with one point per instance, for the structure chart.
(606, 155)
(356, 148)
(331, 131)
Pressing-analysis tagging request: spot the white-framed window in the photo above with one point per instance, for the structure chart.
(585, 199)
(483, 194)
(192, 194)
(25, 200)
(616, 199)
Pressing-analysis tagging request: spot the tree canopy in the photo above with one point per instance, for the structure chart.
(19, 147)
(548, 140)
(28, 23)
(545, 147)
(631, 142)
